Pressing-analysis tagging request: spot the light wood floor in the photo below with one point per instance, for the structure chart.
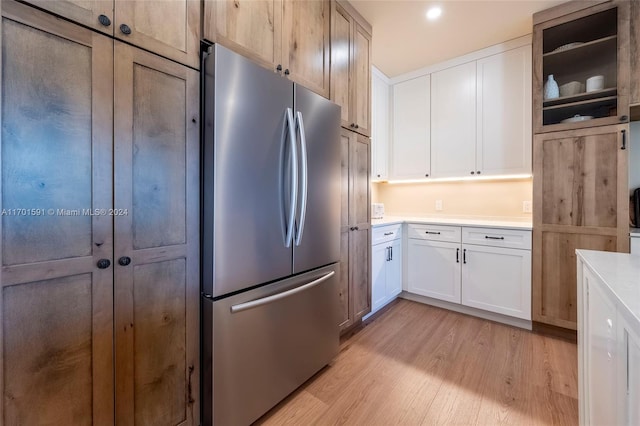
(417, 364)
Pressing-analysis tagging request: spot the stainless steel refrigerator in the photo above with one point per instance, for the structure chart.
(270, 237)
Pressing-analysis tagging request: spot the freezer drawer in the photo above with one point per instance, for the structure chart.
(269, 341)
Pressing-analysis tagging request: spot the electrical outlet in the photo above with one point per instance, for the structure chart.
(438, 205)
(527, 207)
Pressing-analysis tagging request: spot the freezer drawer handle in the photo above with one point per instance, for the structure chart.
(269, 299)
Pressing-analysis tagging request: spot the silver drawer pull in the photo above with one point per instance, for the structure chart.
(432, 232)
(269, 299)
(493, 238)
(388, 233)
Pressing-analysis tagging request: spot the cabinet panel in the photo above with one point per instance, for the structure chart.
(168, 28)
(635, 52)
(341, 60)
(359, 199)
(394, 270)
(154, 383)
(344, 290)
(632, 412)
(453, 101)
(307, 37)
(554, 278)
(504, 113)
(434, 269)
(251, 27)
(497, 280)
(57, 306)
(362, 78)
(601, 354)
(380, 134)
(359, 248)
(379, 265)
(85, 12)
(411, 143)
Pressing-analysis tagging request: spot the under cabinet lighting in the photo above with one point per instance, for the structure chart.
(434, 13)
(463, 179)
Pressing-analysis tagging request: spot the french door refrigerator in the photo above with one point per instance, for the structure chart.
(270, 237)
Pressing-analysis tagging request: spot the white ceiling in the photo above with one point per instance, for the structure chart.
(404, 40)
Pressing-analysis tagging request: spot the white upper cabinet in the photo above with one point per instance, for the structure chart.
(453, 121)
(504, 113)
(380, 117)
(411, 129)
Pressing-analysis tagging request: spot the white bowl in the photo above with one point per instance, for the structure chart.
(571, 88)
(577, 118)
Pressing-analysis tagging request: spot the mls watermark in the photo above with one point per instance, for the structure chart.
(63, 212)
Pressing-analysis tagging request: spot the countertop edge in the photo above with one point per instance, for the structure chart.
(468, 222)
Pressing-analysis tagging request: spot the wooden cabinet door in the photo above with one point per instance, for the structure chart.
(411, 143)
(252, 28)
(157, 242)
(580, 202)
(434, 269)
(346, 317)
(361, 76)
(56, 305)
(453, 121)
(504, 113)
(85, 12)
(497, 279)
(634, 65)
(341, 62)
(306, 43)
(170, 28)
(360, 220)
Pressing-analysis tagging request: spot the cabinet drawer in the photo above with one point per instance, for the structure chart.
(387, 233)
(495, 237)
(435, 232)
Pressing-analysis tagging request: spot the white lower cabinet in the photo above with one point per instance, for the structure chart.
(497, 279)
(629, 365)
(486, 276)
(386, 265)
(433, 269)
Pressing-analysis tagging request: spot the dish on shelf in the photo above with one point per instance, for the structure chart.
(571, 88)
(567, 46)
(577, 118)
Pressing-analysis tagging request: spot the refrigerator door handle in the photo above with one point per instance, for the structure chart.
(305, 175)
(294, 177)
(278, 296)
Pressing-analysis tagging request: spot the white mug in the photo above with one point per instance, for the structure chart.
(595, 83)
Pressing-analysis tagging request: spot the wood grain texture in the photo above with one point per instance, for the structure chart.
(157, 295)
(362, 79)
(359, 261)
(306, 48)
(85, 12)
(251, 27)
(564, 9)
(344, 289)
(360, 175)
(168, 28)
(634, 49)
(57, 333)
(417, 364)
(341, 61)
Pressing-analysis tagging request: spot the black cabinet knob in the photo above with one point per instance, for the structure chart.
(624, 118)
(378, 175)
(357, 127)
(103, 263)
(125, 29)
(279, 68)
(104, 20)
(124, 261)
(426, 175)
(353, 125)
(355, 228)
(478, 172)
(286, 72)
(473, 173)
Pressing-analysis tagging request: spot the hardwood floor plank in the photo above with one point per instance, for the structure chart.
(417, 364)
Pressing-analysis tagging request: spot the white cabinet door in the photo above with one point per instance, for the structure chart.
(411, 129)
(629, 374)
(601, 354)
(380, 97)
(394, 270)
(504, 113)
(453, 121)
(379, 256)
(434, 269)
(497, 279)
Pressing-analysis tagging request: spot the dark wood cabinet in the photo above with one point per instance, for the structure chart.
(100, 217)
(355, 282)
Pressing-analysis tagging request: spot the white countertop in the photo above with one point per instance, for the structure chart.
(621, 274)
(489, 222)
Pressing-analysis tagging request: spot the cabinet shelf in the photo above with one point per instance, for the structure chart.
(580, 103)
(580, 97)
(598, 108)
(587, 46)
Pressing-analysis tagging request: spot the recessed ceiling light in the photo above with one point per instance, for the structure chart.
(434, 13)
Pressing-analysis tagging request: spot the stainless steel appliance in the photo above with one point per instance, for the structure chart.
(270, 237)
